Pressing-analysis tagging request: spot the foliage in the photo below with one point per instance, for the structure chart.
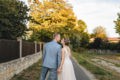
(42, 35)
(96, 44)
(117, 22)
(80, 37)
(99, 32)
(13, 18)
(51, 17)
(104, 45)
(84, 42)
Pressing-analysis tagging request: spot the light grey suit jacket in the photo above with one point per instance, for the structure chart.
(51, 55)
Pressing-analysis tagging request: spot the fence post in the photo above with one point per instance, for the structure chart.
(20, 46)
(40, 46)
(35, 47)
(41, 43)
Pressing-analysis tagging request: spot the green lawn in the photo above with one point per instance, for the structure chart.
(100, 73)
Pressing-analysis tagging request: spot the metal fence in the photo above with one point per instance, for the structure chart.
(13, 49)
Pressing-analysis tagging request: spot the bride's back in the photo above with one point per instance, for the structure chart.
(66, 52)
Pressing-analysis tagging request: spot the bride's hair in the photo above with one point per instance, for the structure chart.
(67, 41)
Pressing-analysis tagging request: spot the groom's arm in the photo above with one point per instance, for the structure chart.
(44, 52)
(59, 56)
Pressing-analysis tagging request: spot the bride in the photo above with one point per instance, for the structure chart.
(66, 70)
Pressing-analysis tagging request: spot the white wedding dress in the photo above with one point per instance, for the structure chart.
(67, 69)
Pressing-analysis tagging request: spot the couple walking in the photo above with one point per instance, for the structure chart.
(56, 60)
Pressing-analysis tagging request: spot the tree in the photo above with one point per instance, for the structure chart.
(80, 37)
(13, 18)
(52, 17)
(57, 16)
(84, 42)
(117, 22)
(81, 26)
(99, 32)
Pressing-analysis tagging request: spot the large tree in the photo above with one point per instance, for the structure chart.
(13, 18)
(52, 16)
(56, 16)
(117, 22)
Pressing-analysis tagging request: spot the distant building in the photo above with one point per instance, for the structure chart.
(113, 39)
(110, 39)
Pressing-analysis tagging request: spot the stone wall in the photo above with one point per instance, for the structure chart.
(11, 68)
(101, 51)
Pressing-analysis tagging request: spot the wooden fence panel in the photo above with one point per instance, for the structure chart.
(9, 50)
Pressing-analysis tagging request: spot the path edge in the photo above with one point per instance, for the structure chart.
(88, 73)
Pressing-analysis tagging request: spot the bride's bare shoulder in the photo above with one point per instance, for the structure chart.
(63, 49)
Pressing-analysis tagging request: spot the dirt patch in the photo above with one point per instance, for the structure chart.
(107, 64)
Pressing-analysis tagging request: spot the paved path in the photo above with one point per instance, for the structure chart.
(80, 75)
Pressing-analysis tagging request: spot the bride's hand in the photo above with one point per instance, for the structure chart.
(59, 70)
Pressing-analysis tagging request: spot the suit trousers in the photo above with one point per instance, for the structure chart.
(52, 73)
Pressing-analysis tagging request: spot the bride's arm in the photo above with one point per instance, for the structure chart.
(62, 60)
(70, 52)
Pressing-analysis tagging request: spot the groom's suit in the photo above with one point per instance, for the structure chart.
(51, 60)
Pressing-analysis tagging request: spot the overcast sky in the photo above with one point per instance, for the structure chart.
(97, 13)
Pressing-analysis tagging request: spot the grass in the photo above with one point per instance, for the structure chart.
(32, 73)
(118, 65)
(100, 73)
(83, 58)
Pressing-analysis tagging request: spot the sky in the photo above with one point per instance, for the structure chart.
(97, 13)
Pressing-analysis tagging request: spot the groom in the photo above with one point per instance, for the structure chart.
(51, 58)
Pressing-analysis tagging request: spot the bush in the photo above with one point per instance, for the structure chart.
(104, 45)
(96, 44)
